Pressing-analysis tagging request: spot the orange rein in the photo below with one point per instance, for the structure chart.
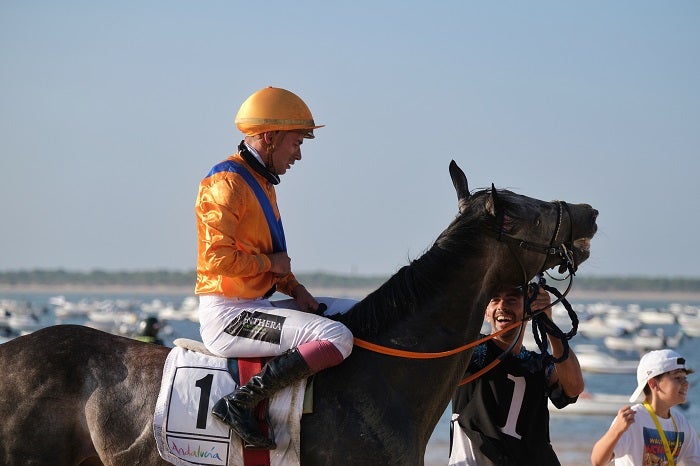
(415, 355)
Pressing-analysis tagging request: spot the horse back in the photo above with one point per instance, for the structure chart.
(74, 395)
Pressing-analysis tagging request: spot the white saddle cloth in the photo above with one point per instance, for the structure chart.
(187, 434)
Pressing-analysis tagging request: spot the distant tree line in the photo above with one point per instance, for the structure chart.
(661, 284)
(60, 277)
(98, 277)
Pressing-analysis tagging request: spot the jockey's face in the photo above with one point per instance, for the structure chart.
(286, 151)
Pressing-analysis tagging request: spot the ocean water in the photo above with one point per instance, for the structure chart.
(573, 436)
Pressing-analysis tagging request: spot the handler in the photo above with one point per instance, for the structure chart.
(242, 260)
(502, 418)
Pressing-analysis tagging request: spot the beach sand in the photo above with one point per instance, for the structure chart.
(570, 453)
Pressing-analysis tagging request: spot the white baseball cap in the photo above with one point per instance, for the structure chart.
(656, 363)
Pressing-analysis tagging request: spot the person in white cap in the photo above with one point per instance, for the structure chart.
(649, 432)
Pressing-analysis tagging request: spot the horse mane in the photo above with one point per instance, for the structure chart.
(423, 279)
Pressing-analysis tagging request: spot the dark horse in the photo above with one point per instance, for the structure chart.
(71, 395)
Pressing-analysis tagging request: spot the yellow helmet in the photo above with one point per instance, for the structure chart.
(275, 109)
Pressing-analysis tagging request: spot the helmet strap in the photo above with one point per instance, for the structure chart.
(275, 137)
(255, 164)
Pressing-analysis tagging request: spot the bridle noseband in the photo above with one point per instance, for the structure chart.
(551, 249)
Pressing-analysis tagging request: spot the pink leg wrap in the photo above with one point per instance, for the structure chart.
(320, 354)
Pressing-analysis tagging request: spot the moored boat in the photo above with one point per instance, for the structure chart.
(591, 359)
(593, 404)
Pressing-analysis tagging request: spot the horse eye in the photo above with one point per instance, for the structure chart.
(538, 221)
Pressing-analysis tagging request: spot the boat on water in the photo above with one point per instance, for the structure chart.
(24, 323)
(597, 404)
(656, 317)
(593, 404)
(19, 317)
(593, 359)
(690, 324)
(7, 333)
(599, 327)
(644, 340)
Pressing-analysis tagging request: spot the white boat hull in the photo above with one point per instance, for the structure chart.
(593, 404)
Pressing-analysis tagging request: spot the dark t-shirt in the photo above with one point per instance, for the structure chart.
(504, 412)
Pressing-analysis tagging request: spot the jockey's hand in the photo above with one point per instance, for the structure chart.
(304, 300)
(280, 263)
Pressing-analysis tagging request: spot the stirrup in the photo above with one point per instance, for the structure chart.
(249, 446)
(256, 440)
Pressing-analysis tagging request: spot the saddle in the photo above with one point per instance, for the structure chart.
(186, 432)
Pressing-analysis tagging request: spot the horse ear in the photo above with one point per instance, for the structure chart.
(459, 180)
(493, 205)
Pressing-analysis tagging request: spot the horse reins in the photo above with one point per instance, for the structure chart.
(547, 327)
(421, 355)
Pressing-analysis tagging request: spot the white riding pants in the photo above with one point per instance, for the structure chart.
(240, 328)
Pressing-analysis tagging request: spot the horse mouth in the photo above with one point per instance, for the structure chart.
(583, 244)
(581, 252)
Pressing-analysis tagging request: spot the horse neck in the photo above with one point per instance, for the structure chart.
(432, 293)
(432, 310)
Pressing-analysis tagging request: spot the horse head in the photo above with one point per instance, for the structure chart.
(538, 235)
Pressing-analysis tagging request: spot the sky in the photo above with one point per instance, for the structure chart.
(112, 112)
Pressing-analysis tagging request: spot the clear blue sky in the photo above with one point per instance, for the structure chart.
(111, 113)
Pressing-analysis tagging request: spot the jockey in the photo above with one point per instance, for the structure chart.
(242, 260)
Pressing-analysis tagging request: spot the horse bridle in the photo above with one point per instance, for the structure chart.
(561, 250)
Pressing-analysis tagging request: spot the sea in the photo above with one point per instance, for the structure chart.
(572, 435)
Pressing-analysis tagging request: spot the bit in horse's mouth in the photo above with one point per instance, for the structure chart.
(583, 244)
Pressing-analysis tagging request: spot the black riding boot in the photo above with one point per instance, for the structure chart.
(237, 409)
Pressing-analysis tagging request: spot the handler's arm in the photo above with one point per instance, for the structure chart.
(568, 372)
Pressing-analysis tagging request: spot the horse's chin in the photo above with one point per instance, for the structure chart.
(583, 244)
(581, 251)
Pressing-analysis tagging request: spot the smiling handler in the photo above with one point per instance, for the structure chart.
(501, 418)
(242, 260)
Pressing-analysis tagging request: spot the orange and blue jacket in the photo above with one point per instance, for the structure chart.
(233, 234)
